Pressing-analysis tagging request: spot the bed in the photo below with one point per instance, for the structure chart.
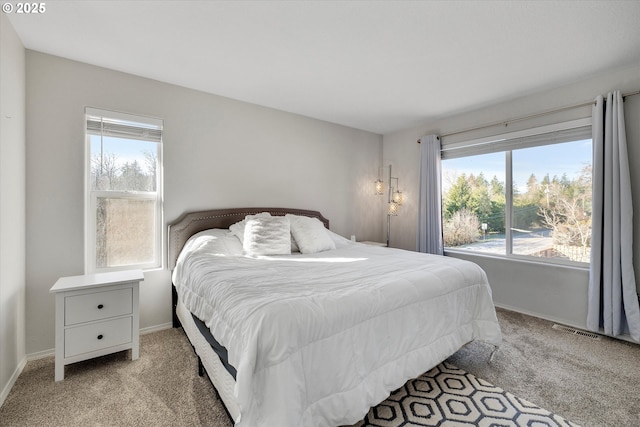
(317, 336)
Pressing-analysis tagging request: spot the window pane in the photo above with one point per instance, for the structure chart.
(120, 164)
(125, 231)
(552, 201)
(473, 203)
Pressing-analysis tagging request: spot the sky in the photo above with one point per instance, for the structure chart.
(126, 150)
(555, 160)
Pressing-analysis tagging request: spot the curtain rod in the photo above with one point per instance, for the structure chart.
(532, 116)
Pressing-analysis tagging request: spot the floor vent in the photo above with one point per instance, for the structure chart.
(575, 331)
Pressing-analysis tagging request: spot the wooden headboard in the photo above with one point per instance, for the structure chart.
(191, 223)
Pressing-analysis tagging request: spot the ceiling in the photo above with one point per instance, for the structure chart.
(380, 66)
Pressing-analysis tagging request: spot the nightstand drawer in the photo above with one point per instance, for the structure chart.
(96, 336)
(98, 305)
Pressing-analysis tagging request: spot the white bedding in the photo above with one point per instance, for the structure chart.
(318, 339)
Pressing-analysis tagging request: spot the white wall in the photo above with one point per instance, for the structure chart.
(12, 206)
(556, 293)
(218, 153)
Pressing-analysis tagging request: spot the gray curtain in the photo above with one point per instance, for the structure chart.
(430, 197)
(613, 303)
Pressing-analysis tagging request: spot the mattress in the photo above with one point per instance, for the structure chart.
(317, 339)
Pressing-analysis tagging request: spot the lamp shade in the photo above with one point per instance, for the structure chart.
(393, 209)
(397, 197)
(379, 188)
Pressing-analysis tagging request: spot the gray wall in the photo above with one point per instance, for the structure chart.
(218, 153)
(555, 293)
(12, 206)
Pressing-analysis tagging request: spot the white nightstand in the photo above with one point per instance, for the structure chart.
(96, 314)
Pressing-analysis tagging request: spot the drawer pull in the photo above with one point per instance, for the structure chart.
(100, 306)
(100, 336)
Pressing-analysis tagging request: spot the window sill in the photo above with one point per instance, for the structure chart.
(145, 268)
(572, 265)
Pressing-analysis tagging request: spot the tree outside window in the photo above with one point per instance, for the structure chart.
(548, 208)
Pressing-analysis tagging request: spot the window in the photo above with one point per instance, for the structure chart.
(124, 191)
(525, 194)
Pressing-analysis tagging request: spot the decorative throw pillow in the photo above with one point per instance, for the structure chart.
(267, 236)
(237, 229)
(310, 234)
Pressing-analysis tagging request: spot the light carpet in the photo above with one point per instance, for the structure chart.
(591, 383)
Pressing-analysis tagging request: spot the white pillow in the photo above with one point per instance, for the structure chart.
(310, 234)
(339, 240)
(216, 240)
(237, 229)
(267, 236)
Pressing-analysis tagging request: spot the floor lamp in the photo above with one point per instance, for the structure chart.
(394, 198)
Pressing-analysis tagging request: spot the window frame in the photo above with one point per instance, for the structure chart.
(504, 143)
(92, 196)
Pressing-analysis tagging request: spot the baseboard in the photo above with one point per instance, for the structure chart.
(156, 328)
(41, 354)
(624, 337)
(540, 316)
(52, 351)
(14, 377)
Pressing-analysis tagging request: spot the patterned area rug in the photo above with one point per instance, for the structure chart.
(448, 396)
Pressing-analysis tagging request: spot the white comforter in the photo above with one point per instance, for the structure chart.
(319, 339)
